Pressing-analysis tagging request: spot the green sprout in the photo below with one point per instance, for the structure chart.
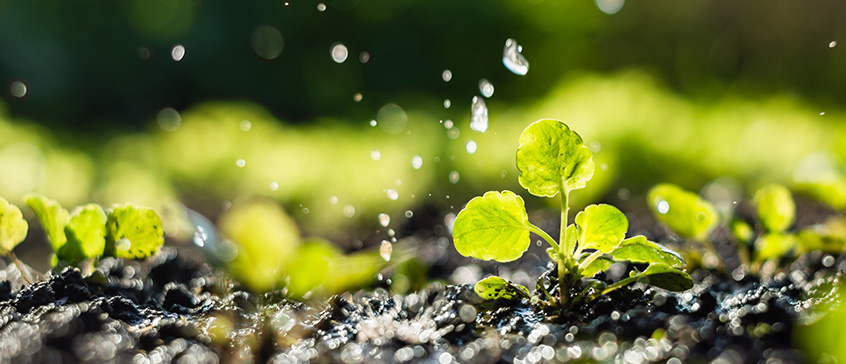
(689, 216)
(553, 161)
(13, 229)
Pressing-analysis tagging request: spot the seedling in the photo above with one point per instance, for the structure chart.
(553, 161)
(688, 215)
(13, 229)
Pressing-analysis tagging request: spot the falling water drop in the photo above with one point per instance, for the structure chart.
(17, 89)
(373, 123)
(832, 44)
(384, 219)
(408, 214)
(177, 52)
(349, 211)
(321, 7)
(448, 124)
(339, 53)
(241, 163)
(375, 155)
(274, 186)
(246, 125)
(392, 194)
(385, 250)
(447, 103)
(663, 207)
(479, 115)
(417, 162)
(486, 88)
(364, 57)
(446, 75)
(513, 59)
(169, 119)
(471, 147)
(357, 97)
(610, 7)
(333, 200)
(454, 177)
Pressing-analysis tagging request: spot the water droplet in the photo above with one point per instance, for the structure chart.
(385, 250)
(408, 214)
(624, 194)
(305, 210)
(246, 125)
(392, 194)
(486, 88)
(471, 147)
(384, 219)
(123, 244)
(513, 59)
(446, 75)
(373, 123)
(357, 97)
(453, 133)
(168, 119)
(448, 124)
(392, 118)
(177, 52)
(447, 103)
(595, 146)
(339, 53)
(364, 57)
(454, 177)
(610, 7)
(822, 113)
(240, 163)
(449, 221)
(375, 155)
(417, 162)
(503, 174)
(333, 200)
(603, 166)
(392, 233)
(349, 210)
(267, 42)
(663, 207)
(321, 7)
(479, 115)
(286, 4)
(17, 89)
(832, 44)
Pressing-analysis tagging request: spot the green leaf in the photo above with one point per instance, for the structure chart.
(600, 264)
(133, 232)
(639, 250)
(310, 269)
(601, 227)
(776, 208)
(266, 239)
(773, 246)
(494, 288)
(493, 227)
(829, 237)
(551, 158)
(86, 234)
(572, 235)
(53, 218)
(13, 227)
(742, 231)
(684, 212)
(671, 279)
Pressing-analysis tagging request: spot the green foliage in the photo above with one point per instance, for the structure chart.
(86, 234)
(685, 212)
(53, 218)
(494, 288)
(13, 227)
(775, 206)
(133, 232)
(493, 227)
(552, 159)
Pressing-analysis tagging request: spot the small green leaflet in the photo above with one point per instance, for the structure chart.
(639, 250)
(53, 218)
(684, 212)
(773, 246)
(13, 227)
(494, 287)
(662, 276)
(552, 158)
(601, 227)
(776, 208)
(493, 227)
(86, 234)
(133, 232)
(309, 271)
(600, 264)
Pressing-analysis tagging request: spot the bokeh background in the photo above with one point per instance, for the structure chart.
(208, 103)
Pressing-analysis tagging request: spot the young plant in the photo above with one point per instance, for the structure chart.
(689, 216)
(553, 161)
(13, 229)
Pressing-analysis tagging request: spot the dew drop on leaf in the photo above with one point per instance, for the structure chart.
(513, 59)
(479, 115)
(446, 75)
(339, 53)
(454, 177)
(486, 88)
(417, 162)
(384, 219)
(393, 195)
(385, 250)
(123, 244)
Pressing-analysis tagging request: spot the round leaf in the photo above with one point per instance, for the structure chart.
(684, 212)
(492, 227)
(310, 269)
(53, 218)
(494, 287)
(662, 276)
(600, 264)
(776, 208)
(86, 234)
(640, 250)
(133, 232)
(773, 246)
(551, 157)
(601, 227)
(13, 227)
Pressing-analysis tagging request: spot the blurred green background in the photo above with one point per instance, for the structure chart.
(210, 103)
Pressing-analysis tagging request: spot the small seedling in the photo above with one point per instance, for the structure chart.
(689, 216)
(553, 161)
(13, 229)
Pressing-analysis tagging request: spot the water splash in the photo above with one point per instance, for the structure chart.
(446, 75)
(417, 162)
(513, 59)
(479, 115)
(471, 147)
(393, 195)
(486, 88)
(454, 177)
(339, 53)
(385, 250)
(384, 219)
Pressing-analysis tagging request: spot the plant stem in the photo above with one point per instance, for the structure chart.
(544, 236)
(621, 283)
(25, 274)
(565, 257)
(590, 259)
